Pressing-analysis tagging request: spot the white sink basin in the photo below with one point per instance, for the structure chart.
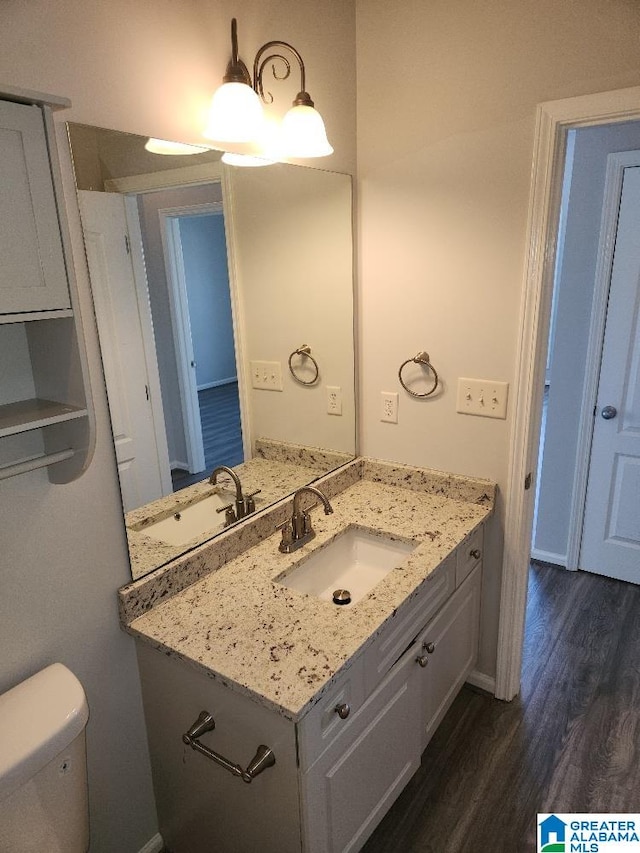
(189, 522)
(356, 560)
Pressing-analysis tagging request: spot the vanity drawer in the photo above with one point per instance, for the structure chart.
(323, 724)
(468, 555)
(396, 636)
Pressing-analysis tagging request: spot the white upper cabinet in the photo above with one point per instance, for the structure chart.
(32, 274)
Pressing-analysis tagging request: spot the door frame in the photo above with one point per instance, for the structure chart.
(553, 121)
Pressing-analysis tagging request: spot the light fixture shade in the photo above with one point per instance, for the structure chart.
(235, 114)
(245, 160)
(304, 134)
(165, 146)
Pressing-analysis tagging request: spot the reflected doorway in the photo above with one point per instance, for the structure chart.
(184, 242)
(194, 248)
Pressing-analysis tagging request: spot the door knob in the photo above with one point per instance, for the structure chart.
(609, 412)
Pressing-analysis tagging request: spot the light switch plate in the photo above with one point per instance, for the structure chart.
(484, 397)
(266, 375)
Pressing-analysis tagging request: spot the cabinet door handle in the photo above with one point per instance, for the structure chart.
(423, 660)
(343, 710)
(429, 648)
(476, 553)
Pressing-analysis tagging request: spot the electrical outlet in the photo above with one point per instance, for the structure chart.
(484, 397)
(334, 400)
(266, 375)
(389, 407)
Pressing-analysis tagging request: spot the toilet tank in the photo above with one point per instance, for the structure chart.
(43, 773)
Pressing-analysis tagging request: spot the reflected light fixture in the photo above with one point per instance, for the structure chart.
(236, 115)
(164, 146)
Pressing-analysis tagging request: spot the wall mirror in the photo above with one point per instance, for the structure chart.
(224, 304)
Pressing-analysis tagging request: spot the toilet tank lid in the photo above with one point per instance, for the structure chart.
(38, 719)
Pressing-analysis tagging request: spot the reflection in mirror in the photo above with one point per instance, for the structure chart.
(224, 303)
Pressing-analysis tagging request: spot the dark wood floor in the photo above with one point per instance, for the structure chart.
(570, 742)
(221, 432)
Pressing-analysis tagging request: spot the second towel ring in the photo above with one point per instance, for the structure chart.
(423, 359)
(304, 350)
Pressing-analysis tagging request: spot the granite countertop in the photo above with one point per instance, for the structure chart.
(283, 648)
(275, 478)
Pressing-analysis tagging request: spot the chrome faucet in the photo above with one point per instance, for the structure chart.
(298, 531)
(243, 505)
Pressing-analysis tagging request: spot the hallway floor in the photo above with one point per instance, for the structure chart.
(221, 433)
(569, 743)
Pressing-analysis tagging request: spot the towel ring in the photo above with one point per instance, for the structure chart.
(304, 350)
(420, 358)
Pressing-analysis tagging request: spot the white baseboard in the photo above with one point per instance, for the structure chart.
(484, 682)
(549, 557)
(154, 845)
(217, 383)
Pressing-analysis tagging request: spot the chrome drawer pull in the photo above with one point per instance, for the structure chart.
(343, 710)
(263, 758)
(429, 648)
(476, 553)
(423, 660)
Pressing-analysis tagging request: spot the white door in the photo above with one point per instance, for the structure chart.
(130, 371)
(611, 530)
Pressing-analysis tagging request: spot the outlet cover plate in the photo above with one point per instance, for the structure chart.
(389, 407)
(486, 398)
(334, 400)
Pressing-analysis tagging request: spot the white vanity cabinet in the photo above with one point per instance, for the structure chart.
(352, 785)
(339, 769)
(45, 413)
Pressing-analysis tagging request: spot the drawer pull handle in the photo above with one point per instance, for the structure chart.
(429, 648)
(476, 553)
(343, 710)
(263, 758)
(423, 660)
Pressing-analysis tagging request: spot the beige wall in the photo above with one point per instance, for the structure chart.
(145, 67)
(446, 107)
(293, 257)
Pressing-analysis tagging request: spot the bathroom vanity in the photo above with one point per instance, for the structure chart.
(345, 697)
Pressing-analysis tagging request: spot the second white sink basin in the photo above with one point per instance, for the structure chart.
(189, 522)
(355, 560)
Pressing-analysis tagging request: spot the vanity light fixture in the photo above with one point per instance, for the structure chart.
(164, 146)
(236, 115)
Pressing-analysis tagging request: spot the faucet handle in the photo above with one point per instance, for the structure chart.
(249, 501)
(229, 514)
(287, 537)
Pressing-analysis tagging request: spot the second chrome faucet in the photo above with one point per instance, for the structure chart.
(298, 531)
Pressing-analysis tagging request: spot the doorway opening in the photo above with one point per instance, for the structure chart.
(194, 247)
(199, 358)
(588, 207)
(555, 120)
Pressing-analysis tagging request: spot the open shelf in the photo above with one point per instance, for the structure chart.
(26, 415)
(36, 315)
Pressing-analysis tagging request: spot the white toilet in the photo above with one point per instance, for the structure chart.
(43, 770)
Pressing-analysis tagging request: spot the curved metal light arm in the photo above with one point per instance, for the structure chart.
(259, 65)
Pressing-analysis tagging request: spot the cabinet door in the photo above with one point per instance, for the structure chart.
(449, 648)
(350, 788)
(33, 274)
